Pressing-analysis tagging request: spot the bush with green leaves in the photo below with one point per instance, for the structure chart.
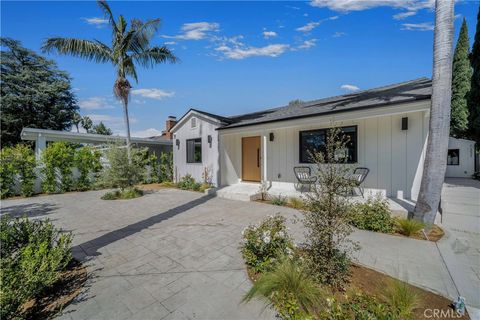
(33, 255)
(87, 161)
(373, 215)
(279, 200)
(57, 161)
(264, 243)
(166, 167)
(7, 173)
(290, 288)
(119, 172)
(326, 214)
(296, 203)
(409, 227)
(187, 182)
(17, 163)
(128, 193)
(401, 299)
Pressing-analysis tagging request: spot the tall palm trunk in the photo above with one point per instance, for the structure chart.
(435, 163)
(127, 126)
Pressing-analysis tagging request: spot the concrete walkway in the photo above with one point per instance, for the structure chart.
(174, 254)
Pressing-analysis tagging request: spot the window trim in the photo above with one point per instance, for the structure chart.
(326, 129)
(458, 153)
(201, 151)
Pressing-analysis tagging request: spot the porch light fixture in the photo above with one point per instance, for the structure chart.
(209, 139)
(405, 123)
(272, 136)
(177, 143)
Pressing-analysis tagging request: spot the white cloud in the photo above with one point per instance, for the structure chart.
(339, 34)
(425, 26)
(411, 6)
(242, 52)
(150, 132)
(269, 34)
(312, 25)
(349, 87)
(95, 103)
(169, 43)
(153, 93)
(403, 15)
(196, 31)
(95, 21)
(113, 122)
(307, 44)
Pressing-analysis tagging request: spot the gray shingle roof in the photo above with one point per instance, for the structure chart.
(408, 91)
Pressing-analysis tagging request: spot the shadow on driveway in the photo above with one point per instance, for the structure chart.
(30, 210)
(112, 236)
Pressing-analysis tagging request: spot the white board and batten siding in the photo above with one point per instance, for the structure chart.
(465, 150)
(394, 156)
(204, 126)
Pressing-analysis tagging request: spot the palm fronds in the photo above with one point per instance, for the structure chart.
(87, 49)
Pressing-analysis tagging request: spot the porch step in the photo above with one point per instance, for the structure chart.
(239, 191)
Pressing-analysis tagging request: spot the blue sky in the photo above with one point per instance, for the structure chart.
(238, 57)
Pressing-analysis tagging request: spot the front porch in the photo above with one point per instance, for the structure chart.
(250, 191)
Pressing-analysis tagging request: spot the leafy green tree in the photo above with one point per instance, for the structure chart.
(130, 46)
(77, 120)
(474, 97)
(87, 123)
(34, 93)
(462, 74)
(101, 128)
(87, 161)
(57, 160)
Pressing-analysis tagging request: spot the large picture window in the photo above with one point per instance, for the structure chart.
(194, 150)
(315, 141)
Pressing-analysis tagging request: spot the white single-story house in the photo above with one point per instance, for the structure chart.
(387, 127)
(460, 158)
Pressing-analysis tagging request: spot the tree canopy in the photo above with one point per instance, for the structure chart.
(461, 78)
(34, 93)
(101, 128)
(474, 96)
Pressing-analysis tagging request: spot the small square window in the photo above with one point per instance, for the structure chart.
(193, 123)
(453, 157)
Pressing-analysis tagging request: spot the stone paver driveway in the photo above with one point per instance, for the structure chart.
(168, 255)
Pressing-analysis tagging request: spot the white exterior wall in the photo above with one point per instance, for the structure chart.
(210, 159)
(466, 167)
(394, 157)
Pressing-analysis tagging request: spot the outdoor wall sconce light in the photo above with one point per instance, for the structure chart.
(272, 136)
(405, 123)
(177, 143)
(209, 139)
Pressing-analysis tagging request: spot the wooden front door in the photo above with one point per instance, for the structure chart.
(251, 159)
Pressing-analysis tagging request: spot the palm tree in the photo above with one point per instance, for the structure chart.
(77, 119)
(129, 47)
(435, 163)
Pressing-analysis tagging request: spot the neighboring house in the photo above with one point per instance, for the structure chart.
(387, 127)
(460, 158)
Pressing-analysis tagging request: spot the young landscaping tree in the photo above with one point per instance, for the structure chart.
(462, 74)
(77, 120)
(474, 96)
(87, 124)
(101, 128)
(34, 93)
(327, 212)
(130, 46)
(435, 163)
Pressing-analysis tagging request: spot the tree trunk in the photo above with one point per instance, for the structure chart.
(127, 126)
(435, 163)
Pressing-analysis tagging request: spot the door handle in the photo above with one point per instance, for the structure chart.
(258, 157)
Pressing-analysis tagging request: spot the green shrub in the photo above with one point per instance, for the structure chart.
(296, 203)
(87, 161)
(57, 157)
(409, 227)
(188, 183)
(120, 173)
(7, 173)
(279, 200)
(373, 215)
(290, 288)
(166, 167)
(129, 193)
(33, 255)
(401, 299)
(17, 161)
(263, 244)
(356, 305)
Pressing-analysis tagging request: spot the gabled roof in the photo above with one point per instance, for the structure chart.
(408, 91)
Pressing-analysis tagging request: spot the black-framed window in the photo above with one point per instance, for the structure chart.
(453, 157)
(312, 141)
(194, 150)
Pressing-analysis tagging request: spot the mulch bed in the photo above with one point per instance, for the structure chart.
(59, 295)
